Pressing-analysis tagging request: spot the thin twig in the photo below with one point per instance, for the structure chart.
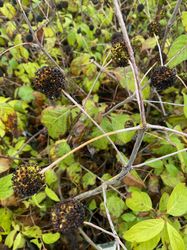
(131, 61)
(166, 129)
(118, 241)
(85, 236)
(159, 158)
(170, 22)
(29, 140)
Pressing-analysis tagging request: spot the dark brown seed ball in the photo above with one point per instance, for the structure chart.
(163, 77)
(27, 181)
(67, 216)
(119, 51)
(155, 28)
(140, 7)
(50, 81)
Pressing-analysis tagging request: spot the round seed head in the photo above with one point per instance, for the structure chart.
(155, 28)
(27, 181)
(163, 77)
(67, 216)
(49, 81)
(119, 51)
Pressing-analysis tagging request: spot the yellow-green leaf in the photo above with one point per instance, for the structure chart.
(175, 238)
(177, 203)
(144, 230)
(139, 201)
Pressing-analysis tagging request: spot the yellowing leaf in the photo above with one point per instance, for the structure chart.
(177, 203)
(139, 201)
(175, 238)
(144, 230)
(8, 10)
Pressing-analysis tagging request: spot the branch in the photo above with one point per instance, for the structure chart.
(170, 22)
(131, 61)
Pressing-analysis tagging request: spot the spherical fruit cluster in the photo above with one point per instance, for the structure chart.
(163, 77)
(119, 51)
(27, 181)
(50, 81)
(155, 28)
(67, 216)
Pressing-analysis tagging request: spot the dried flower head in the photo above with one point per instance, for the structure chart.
(119, 50)
(50, 81)
(67, 216)
(163, 77)
(27, 181)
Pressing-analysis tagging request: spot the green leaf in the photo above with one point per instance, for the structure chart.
(118, 122)
(179, 50)
(175, 238)
(2, 129)
(92, 204)
(6, 189)
(74, 172)
(51, 194)
(163, 202)
(177, 203)
(26, 93)
(115, 206)
(128, 217)
(10, 238)
(59, 149)
(38, 198)
(88, 179)
(37, 243)
(185, 104)
(32, 232)
(55, 119)
(139, 201)
(184, 19)
(50, 238)
(157, 165)
(19, 241)
(50, 177)
(144, 230)
(150, 244)
(6, 219)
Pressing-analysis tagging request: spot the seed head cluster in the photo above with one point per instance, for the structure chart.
(27, 181)
(67, 216)
(163, 77)
(49, 81)
(119, 50)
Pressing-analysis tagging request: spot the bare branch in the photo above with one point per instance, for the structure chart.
(131, 61)
(170, 22)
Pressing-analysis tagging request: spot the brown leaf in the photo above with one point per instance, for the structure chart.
(130, 180)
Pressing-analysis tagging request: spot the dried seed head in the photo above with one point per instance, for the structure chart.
(163, 77)
(119, 50)
(67, 216)
(50, 81)
(155, 28)
(27, 181)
